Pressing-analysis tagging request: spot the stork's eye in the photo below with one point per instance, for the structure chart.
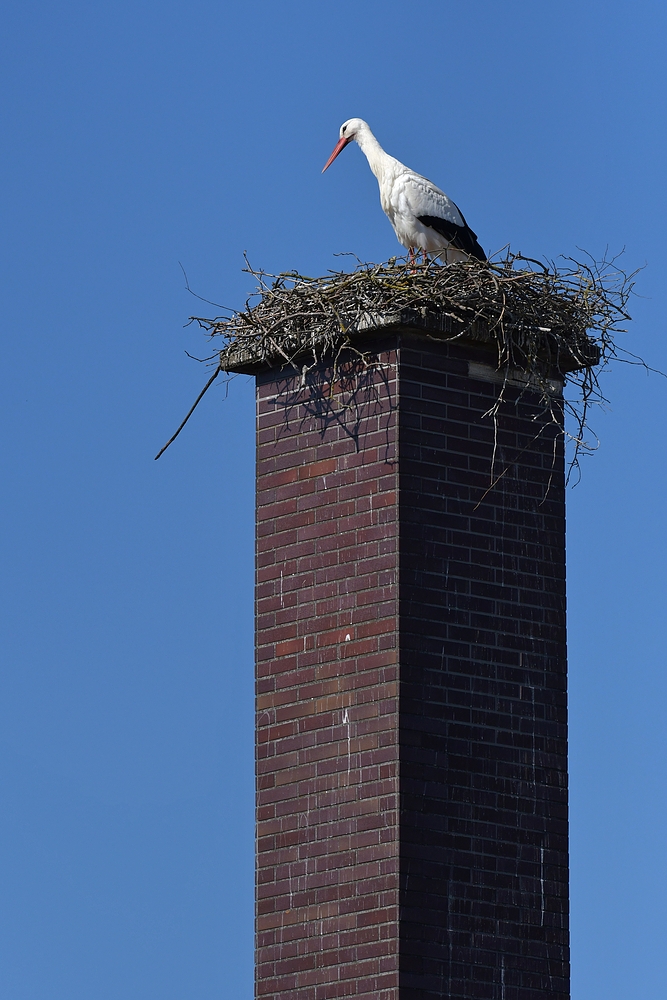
(344, 128)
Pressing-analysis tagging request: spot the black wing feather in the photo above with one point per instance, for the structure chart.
(461, 237)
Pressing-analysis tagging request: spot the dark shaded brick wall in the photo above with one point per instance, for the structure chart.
(483, 711)
(411, 711)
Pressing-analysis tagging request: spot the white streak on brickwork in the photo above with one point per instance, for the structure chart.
(534, 721)
(449, 936)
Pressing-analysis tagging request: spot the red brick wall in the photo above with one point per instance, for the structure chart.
(327, 725)
(410, 625)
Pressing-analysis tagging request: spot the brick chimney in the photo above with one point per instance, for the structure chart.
(411, 736)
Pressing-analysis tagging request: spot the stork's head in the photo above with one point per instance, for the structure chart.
(348, 131)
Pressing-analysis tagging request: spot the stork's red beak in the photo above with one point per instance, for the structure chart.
(338, 148)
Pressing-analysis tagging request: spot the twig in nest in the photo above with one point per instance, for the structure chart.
(201, 297)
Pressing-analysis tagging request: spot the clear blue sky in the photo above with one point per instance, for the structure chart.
(137, 135)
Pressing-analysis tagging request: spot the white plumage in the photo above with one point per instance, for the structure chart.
(422, 215)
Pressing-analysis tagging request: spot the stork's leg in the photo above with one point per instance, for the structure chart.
(411, 256)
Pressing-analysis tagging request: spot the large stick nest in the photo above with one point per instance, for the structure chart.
(534, 313)
(542, 319)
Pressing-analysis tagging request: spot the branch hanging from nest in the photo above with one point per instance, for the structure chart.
(190, 411)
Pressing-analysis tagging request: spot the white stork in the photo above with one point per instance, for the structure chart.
(422, 215)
